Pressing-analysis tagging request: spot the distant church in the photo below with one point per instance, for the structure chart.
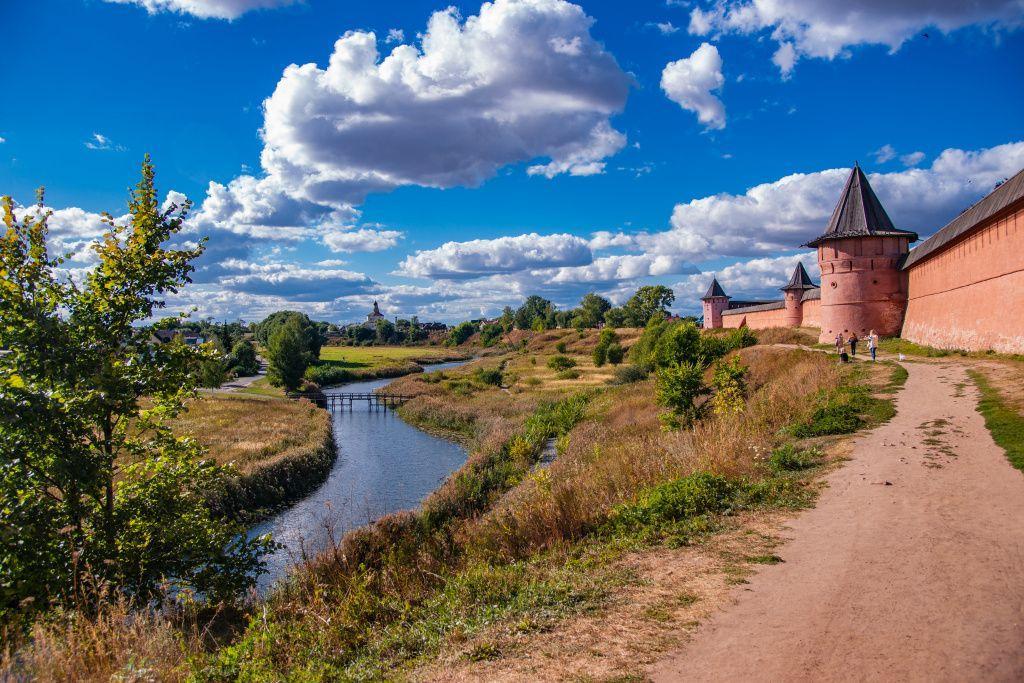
(963, 288)
(373, 317)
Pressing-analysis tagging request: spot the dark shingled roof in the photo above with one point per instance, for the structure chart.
(811, 294)
(800, 279)
(714, 290)
(859, 214)
(1000, 198)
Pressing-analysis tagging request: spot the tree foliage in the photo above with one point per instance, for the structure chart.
(95, 490)
(648, 301)
(287, 354)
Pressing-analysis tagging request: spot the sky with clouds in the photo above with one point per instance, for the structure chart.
(450, 159)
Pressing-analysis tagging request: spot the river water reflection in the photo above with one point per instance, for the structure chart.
(383, 465)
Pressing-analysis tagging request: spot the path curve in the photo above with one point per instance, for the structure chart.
(908, 569)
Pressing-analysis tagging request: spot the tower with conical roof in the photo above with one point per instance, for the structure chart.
(793, 294)
(862, 286)
(715, 302)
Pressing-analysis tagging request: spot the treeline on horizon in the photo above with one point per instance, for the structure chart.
(538, 314)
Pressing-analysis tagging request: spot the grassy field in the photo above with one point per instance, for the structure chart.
(251, 432)
(340, 364)
(282, 449)
(379, 356)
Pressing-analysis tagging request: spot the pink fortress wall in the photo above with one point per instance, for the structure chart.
(970, 295)
(757, 320)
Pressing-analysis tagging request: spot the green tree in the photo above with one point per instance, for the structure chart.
(615, 317)
(287, 355)
(649, 301)
(592, 309)
(460, 333)
(534, 309)
(678, 388)
(313, 334)
(92, 480)
(243, 359)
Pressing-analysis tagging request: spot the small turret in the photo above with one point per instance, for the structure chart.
(715, 302)
(793, 294)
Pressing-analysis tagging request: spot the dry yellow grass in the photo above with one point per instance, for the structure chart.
(118, 644)
(252, 432)
(622, 449)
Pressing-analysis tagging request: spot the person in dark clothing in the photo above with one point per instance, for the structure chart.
(853, 343)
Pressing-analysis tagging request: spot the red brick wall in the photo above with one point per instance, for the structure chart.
(757, 320)
(970, 295)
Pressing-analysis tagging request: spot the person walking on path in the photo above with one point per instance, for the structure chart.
(873, 345)
(840, 343)
(853, 344)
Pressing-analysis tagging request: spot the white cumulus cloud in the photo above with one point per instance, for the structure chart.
(205, 9)
(787, 212)
(484, 257)
(689, 83)
(812, 28)
(522, 80)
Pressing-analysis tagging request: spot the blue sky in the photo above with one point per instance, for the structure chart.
(523, 146)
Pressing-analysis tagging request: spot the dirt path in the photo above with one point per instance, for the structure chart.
(908, 569)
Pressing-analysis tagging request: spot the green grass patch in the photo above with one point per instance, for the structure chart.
(1004, 423)
(679, 510)
(852, 406)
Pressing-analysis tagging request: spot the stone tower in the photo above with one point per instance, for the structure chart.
(715, 301)
(862, 286)
(794, 293)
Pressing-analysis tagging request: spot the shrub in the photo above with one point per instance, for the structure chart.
(560, 363)
(679, 388)
(675, 501)
(790, 459)
(490, 334)
(568, 374)
(604, 342)
(832, 418)
(615, 353)
(491, 376)
(561, 347)
(460, 333)
(627, 374)
(740, 338)
(730, 383)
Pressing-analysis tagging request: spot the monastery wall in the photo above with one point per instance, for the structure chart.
(755, 320)
(812, 313)
(970, 295)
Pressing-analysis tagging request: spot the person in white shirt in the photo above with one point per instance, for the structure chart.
(873, 344)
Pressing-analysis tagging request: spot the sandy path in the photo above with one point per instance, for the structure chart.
(918, 580)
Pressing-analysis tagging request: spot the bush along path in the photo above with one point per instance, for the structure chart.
(907, 568)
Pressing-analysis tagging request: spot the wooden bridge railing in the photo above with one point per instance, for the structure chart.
(375, 401)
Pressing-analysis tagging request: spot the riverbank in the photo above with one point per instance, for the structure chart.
(281, 450)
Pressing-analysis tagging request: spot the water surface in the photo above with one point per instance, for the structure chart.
(384, 465)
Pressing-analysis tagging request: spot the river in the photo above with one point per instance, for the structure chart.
(384, 465)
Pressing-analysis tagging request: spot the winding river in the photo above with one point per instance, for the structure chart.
(384, 465)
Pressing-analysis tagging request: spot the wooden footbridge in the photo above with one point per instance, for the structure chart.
(375, 401)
